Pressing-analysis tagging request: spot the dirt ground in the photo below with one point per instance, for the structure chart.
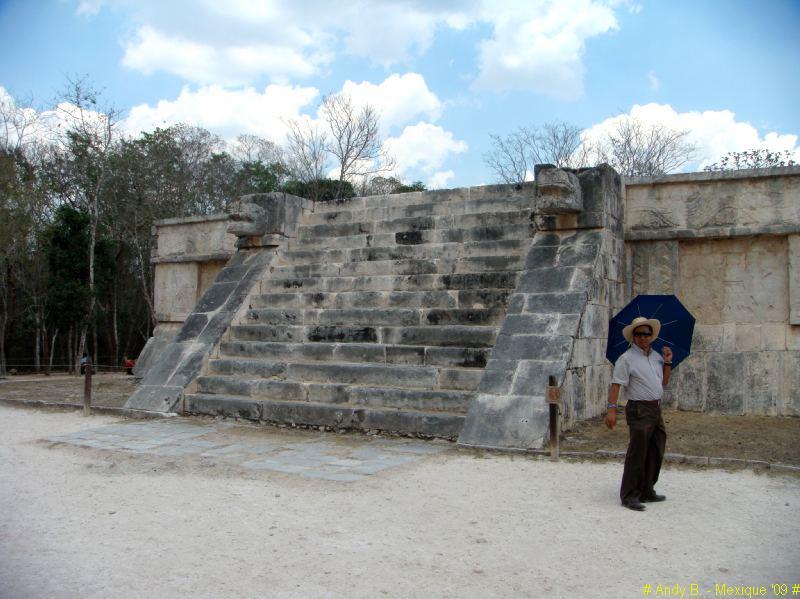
(770, 439)
(88, 523)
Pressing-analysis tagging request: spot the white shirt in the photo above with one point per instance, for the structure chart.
(640, 374)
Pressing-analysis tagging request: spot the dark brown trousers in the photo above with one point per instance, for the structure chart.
(648, 438)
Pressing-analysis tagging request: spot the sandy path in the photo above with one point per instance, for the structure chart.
(77, 523)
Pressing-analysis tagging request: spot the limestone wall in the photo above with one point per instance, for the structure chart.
(187, 255)
(728, 244)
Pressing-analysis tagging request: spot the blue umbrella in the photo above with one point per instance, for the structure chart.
(677, 326)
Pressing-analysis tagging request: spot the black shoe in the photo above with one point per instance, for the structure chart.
(633, 505)
(654, 498)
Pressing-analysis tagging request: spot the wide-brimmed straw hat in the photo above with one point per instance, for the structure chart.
(641, 321)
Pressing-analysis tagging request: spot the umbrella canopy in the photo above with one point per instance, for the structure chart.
(677, 326)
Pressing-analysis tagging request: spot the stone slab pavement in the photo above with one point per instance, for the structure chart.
(328, 457)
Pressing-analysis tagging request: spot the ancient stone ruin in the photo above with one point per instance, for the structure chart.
(445, 313)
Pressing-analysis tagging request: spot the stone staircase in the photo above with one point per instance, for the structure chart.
(380, 314)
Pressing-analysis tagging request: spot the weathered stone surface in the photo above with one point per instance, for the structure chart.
(763, 374)
(725, 392)
(794, 279)
(557, 190)
(790, 382)
(688, 383)
(505, 421)
(156, 398)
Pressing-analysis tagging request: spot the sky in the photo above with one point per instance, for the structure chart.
(443, 74)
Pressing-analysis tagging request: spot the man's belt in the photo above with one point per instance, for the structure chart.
(647, 402)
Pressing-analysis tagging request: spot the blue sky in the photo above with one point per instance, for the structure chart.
(444, 74)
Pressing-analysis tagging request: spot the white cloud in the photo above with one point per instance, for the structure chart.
(535, 45)
(714, 132)
(225, 112)
(654, 81)
(204, 63)
(539, 46)
(440, 180)
(423, 147)
(399, 99)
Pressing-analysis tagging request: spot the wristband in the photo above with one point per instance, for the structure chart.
(667, 363)
(612, 405)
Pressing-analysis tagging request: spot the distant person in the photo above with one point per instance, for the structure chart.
(128, 365)
(84, 362)
(644, 374)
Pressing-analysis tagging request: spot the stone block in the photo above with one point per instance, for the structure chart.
(773, 336)
(496, 381)
(542, 257)
(227, 407)
(477, 298)
(708, 338)
(462, 357)
(532, 376)
(459, 379)
(793, 242)
(549, 303)
(531, 324)
(728, 337)
(443, 336)
(568, 324)
(280, 390)
(365, 374)
(215, 296)
(399, 354)
(594, 321)
(337, 394)
(506, 421)
(577, 255)
(175, 290)
(688, 383)
(748, 337)
(725, 391)
(557, 190)
(790, 383)
(763, 381)
(155, 398)
(536, 347)
(793, 337)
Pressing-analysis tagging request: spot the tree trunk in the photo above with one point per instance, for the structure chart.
(53, 348)
(3, 346)
(95, 361)
(37, 338)
(115, 325)
(80, 349)
(47, 359)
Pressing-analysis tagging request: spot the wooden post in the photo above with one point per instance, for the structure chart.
(553, 401)
(87, 389)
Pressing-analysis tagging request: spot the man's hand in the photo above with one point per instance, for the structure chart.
(611, 418)
(666, 352)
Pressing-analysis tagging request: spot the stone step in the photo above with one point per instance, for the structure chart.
(389, 213)
(353, 415)
(243, 377)
(440, 336)
(308, 233)
(494, 193)
(400, 267)
(465, 298)
(393, 317)
(451, 357)
(428, 251)
(460, 281)
(514, 227)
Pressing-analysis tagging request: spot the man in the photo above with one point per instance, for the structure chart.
(644, 374)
